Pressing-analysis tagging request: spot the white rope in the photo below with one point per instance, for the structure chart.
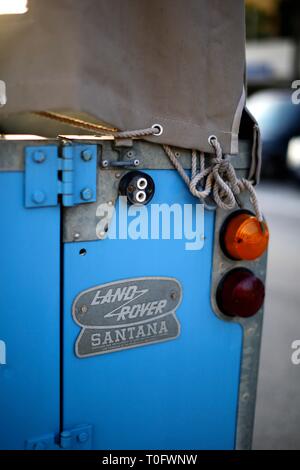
(155, 130)
(218, 180)
(136, 133)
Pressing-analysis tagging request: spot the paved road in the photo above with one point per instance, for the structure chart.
(277, 424)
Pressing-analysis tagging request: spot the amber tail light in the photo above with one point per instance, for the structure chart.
(243, 237)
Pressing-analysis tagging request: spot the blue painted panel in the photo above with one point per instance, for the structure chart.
(29, 316)
(180, 394)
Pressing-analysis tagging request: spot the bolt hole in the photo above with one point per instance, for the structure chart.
(82, 252)
(141, 196)
(212, 139)
(142, 183)
(159, 129)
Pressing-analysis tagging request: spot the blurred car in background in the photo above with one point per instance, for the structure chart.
(293, 157)
(279, 121)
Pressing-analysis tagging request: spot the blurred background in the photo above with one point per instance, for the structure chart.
(273, 66)
(273, 71)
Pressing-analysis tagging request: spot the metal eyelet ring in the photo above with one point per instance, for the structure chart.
(211, 138)
(159, 128)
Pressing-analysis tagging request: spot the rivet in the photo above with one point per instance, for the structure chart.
(130, 154)
(38, 197)
(83, 309)
(86, 156)
(76, 236)
(250, 331)
(38, 156)
(82, 437)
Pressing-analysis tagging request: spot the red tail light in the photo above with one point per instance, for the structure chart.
(240, 293)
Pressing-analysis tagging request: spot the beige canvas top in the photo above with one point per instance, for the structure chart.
(131, 64)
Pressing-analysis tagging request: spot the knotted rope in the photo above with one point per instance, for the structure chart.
(218, 180)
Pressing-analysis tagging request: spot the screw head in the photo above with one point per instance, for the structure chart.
(86, 194)
(105, 163)
(250, 331)
(38, 156)
(130, 154)
(82, 437)
(86, 156)
(83, 309)
(38, 197)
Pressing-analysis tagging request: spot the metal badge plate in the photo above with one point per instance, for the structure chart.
(126, 314)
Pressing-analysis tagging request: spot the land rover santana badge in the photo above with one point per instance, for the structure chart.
(126, 314)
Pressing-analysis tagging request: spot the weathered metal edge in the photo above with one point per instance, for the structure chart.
(80, 222)
(151, 156)
(252, 332)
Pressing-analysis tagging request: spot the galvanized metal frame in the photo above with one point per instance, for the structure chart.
(80, 222)
(252, 330)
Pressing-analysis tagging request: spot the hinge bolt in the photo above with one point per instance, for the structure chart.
(86, 156)
(38, 197)
(86, 194)
(82, 437)
(38, 157)
(65, 439)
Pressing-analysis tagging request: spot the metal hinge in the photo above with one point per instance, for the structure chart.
(78, 438)
(72, 175)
